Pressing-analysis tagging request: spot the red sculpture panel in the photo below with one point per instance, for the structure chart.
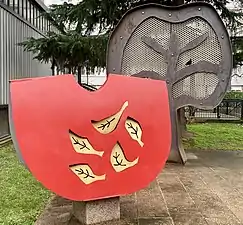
(86, 145)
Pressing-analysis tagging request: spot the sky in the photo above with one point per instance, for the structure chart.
(49, 2)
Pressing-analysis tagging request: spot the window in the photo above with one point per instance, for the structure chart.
(16, 6)
(45, 25)
(21, 8)
(32, 16)
(48, 25)
(41, 23)
(11, 4)
(38, 18)
(25, 9)
(35, 16)
(28, 9)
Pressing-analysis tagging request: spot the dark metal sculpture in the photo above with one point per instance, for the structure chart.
(188, 46)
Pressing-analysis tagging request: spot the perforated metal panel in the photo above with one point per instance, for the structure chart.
(209, 50)
(144, 58)
(198, 86)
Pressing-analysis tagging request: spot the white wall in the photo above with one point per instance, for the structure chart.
(237, 79)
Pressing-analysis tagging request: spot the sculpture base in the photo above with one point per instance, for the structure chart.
(97, 211)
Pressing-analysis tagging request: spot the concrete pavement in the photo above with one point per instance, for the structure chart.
(207, 191)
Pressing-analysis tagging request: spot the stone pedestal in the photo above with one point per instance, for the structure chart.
(97, 211)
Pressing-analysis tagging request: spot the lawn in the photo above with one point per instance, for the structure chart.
(218, 136)
(22, 198)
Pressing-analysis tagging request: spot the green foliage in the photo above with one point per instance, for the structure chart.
(69, 50)
(76, 47)
(234, 95)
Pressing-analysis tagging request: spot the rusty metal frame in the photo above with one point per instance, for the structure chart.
(133, 18)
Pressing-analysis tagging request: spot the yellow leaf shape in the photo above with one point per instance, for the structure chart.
(119, 161)
(82, 145)
(109, 124)
(134, 129)
(85, 174)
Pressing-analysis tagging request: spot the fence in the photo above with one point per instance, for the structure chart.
(229, 109)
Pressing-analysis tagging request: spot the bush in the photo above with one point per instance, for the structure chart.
(234, 95)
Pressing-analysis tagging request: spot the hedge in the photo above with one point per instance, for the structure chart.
(234, 95)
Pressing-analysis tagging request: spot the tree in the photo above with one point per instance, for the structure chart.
(68, 50)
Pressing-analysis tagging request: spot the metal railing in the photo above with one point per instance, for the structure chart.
(229, 109)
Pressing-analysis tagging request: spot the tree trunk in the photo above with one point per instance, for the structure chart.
(53, 69)
(177, 153)
(182, 122)
(79, 75)
(181, 111)
(178, 126)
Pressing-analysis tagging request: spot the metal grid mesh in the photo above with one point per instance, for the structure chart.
(209, 50)
(138, 57)
(198, 86)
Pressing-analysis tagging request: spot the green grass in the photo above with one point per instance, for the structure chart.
(215, 136)
(22, 198)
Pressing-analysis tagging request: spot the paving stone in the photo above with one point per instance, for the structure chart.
(207, 202)
(180, 203)
(176, 196)
(150, 202)
(230, 196)
(222, 221)
(129, 207)
(170, 184)
(156, 221)
(188, 218)
(57, 211)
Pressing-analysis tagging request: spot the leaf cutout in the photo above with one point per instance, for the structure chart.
(119, 161)
(82, 145)
(85, 173)
(134, 129)
(109, 124)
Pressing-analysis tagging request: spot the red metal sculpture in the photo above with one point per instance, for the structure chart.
(90, 145)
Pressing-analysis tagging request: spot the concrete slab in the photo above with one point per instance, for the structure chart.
(93, 212)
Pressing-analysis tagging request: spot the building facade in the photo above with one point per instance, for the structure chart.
(237, 79)
(237, 74)
(19, 20)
